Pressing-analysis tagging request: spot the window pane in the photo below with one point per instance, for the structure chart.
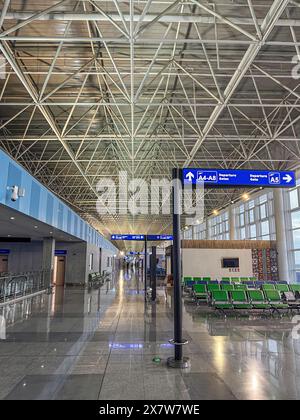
(294, 199)
(297, 257)
(253, 231)
(242, 219)
(265, 229)
(243, 233)
(263, 211)
(263, 198)
(296, 219)
(251, 216)
(296, 238)
(251, 204)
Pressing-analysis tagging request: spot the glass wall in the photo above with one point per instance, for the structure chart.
(292, 204)
(255, 218)
(188, 233)
(200, 231)
(219, 226)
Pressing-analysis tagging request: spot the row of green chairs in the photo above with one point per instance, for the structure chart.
(202, 289)
(186, 280)
(238, 279)
(268, 300)
(203, 292)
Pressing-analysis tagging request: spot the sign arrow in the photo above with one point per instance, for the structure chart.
(287, 178)
(190, 176)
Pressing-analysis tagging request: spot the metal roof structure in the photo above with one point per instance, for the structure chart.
(92, 88)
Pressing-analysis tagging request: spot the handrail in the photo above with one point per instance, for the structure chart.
(98, 280)
(15, 286)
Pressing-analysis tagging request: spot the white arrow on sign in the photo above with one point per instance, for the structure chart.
(190, 176)
(287, 178)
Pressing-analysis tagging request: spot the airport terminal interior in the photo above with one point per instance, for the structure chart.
(149, 200)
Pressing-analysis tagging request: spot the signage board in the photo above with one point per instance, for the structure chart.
(239, 178)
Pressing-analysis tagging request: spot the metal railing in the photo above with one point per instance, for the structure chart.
(97, 280)
(17, 286)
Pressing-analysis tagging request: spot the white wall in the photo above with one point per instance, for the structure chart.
(208, 262)
(24, 256)
(75, 261)
(28, 257)
(105, 254)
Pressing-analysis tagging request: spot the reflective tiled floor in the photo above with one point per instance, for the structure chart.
(78, 344)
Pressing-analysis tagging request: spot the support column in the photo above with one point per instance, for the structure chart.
(231, 223)
(178, 361)
(153, 273)
(146, 267)
(48, 259)
(281, 238)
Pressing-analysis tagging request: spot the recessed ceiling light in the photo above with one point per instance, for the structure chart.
(12, 218)
(35, 227)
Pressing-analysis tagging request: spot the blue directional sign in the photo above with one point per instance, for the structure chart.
(128, 237)
(4, 251)
(239, 178)
(150, 238)
(154, 238)
(59, 252)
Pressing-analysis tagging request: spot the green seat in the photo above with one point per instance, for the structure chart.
(185, 279)
(295, 288)
(221, 301)
(208, 279)
(252, 279)
(200, 292)
(227, 287)
(196, 279)
(235, 280)
(241, 286)
(213, 287)
(244, 279)
(240, 300)
(226, 279)
(258, 300)
(266, 287)
(282, 288)
(274, 298)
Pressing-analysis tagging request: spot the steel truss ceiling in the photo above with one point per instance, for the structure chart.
(97, 87)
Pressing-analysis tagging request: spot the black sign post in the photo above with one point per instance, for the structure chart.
(178, 361)
(145, 267)
(153, 273)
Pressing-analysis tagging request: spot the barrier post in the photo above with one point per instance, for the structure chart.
(178, 361)
(145, 267)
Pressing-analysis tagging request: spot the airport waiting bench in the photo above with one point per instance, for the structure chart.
(258, 300)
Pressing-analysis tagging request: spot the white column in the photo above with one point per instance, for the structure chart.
(281, 238)
(231, 223)
(48, 256)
